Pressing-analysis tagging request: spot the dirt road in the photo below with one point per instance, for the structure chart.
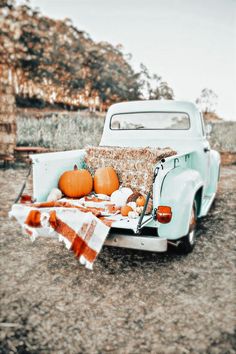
(132, 302)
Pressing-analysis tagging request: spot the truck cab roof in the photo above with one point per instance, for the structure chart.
(157, 105)
(149, 132)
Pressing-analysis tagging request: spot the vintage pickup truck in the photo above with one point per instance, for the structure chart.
(184, 185)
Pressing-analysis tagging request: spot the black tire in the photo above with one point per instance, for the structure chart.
(188, 242)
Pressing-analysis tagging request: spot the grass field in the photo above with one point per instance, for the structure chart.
(59, 131)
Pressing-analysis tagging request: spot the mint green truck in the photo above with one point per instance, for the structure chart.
(184, 185)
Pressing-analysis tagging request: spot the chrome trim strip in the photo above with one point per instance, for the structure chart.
(145, 243)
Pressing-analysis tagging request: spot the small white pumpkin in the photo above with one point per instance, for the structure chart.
(119, 197)
(54, 195)
(139, 210)
(126, 191)
(132, 205)
(133, 215)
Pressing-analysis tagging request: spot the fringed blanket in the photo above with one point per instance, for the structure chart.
(81, 225)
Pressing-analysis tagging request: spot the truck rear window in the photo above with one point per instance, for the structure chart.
(150, 121)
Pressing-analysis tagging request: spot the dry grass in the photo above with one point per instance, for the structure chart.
(59, 131)
(132, 302)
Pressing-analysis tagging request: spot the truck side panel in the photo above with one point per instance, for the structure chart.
(47, 168)
(214, 172)
(178, 191)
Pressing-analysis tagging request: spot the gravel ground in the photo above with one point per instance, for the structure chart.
(133, 302)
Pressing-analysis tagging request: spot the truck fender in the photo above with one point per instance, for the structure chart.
(178, 191)
(214, 171)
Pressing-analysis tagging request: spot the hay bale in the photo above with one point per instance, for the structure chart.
(134, 166)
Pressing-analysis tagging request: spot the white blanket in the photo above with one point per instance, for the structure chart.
(81, 232)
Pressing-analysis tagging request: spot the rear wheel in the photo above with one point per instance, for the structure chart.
(188, 242)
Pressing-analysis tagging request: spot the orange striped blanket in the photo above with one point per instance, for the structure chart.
(83, 229)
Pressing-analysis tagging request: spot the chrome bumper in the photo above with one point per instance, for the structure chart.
(145, 243)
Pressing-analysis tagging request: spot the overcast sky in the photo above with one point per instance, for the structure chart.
(190, 43)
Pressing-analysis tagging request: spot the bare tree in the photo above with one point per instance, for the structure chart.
(207, 101)
(153, 87)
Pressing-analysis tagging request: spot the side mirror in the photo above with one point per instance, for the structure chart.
(208, 129)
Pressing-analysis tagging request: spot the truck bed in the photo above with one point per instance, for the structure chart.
(134, 166)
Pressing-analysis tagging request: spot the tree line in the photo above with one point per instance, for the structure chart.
(52, 62)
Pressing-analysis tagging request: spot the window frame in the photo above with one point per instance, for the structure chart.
(132, 129)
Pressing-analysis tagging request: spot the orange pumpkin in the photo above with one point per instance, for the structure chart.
(76, 183)
(140, 201)
(105, 180)
(125, 210)
(112, 209)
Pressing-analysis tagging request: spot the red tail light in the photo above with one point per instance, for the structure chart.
(25, 198)
(164, 214)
